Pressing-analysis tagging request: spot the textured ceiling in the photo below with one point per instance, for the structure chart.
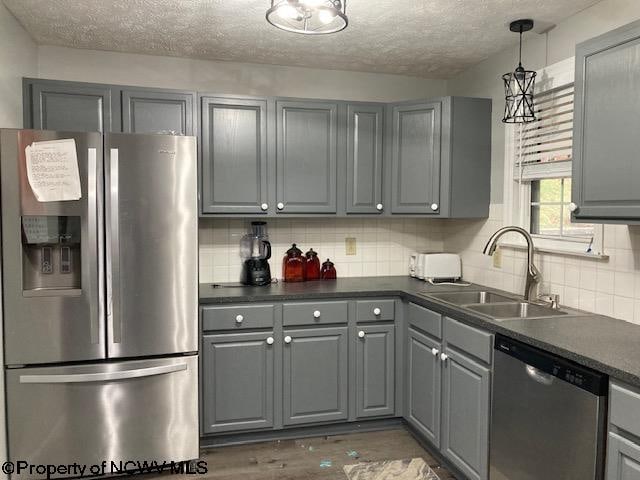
(427, 38)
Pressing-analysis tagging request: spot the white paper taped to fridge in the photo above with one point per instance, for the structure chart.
(52, 170)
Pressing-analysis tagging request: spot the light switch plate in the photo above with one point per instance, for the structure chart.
(350, 246)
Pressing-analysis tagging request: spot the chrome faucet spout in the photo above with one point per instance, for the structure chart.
(533, 274)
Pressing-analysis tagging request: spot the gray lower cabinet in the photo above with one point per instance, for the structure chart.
(306, 157)
(424, 380)
(237, 382)
(234, 155)
(375, 371)
(70, 106)
(465, 414)
(605, 128)
(623, 458)
(147, 110)
(315, 383)
(365, 131)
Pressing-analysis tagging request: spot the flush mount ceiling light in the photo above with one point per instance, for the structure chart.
(519, 84)
(310, 17)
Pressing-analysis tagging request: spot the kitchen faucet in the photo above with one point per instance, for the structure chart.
(533, 274)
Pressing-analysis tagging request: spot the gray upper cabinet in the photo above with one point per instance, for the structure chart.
(70, 106)
(465, 414)
(623, 459)
(234, 155)
(423, 385)
(365, 131)
(315, 380)
(605, 137)
(416, 157)
(306, 157)
(440, 157)
(375, 370)
(237, 382)
(153, 111)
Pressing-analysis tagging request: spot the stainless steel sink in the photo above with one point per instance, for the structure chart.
(471, 298)
(504, 311)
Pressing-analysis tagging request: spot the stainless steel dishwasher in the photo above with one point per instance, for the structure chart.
(548, 417)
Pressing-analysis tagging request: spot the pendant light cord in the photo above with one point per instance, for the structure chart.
(520, 52)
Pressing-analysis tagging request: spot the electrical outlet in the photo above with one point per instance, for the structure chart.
(497, 258)
(350, 246)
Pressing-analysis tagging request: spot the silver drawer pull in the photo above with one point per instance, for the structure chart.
(103, 376)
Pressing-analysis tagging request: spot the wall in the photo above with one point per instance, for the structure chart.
(609, 287)
(229, 77)
(382, 245)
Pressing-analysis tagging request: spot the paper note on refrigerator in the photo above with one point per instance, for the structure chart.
(52, 170)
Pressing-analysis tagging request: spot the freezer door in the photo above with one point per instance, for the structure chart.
(136, 410)
(53, 283)
(152, 244)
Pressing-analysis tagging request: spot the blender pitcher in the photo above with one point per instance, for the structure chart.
(255, 250)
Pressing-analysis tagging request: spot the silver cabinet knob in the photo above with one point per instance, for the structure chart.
(316, 314)
(270, 341)
(379, 207)
(444, 357)
(434, 206)
(264, 206)
(287, 339)
(573, 207)
(435, 352)
(280, 205)
(361, 334)
(239, 318)
(377, 311)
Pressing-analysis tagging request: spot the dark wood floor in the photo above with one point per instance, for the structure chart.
(301, 459)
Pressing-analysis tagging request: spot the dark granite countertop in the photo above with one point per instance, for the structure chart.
(605, 344)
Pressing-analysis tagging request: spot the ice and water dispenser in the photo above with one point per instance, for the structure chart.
(51, 252)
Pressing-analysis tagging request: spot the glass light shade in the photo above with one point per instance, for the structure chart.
(310, 17)
(519, 106)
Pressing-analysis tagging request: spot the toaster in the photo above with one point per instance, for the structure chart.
(441, 267)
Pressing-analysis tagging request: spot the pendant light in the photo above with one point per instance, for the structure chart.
(309, 17)
(519, 84)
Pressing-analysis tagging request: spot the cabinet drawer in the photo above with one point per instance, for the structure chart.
(425, 320)
(314, 313)
(468, 339)
(237, 317)
(375, 310)
(624, 405)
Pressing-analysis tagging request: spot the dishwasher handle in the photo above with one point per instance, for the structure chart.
(538, 375)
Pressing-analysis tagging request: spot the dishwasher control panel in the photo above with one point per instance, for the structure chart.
(566, 370)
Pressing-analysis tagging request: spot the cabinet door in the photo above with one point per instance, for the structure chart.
(152, 111)
(306, 157)
(623, 459)
(606, 141)
(465, 421)
(364, 158)
(315, 375)
(234, 155)
(375, 367)
(237, 382)
(424, 385)
(69, 106)
(415, 160)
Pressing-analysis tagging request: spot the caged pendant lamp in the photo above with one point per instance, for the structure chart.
(519, 84)
(309, 17)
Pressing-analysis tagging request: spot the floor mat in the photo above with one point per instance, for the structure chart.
(407, 469)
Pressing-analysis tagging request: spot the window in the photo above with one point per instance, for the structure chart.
(538, 173)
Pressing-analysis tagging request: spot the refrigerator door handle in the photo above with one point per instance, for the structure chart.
(95, 244)
(113, 250)
(104, 376)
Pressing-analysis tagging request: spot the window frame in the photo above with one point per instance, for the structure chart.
(517, 194)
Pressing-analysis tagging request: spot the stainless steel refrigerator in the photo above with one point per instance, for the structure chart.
(100, 302)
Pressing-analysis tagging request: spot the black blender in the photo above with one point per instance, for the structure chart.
(255, 251)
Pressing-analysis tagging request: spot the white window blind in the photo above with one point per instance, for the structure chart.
(543, 147)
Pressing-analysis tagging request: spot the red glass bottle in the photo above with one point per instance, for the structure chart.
(293, 265)
(312, 271)
(328, 271)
